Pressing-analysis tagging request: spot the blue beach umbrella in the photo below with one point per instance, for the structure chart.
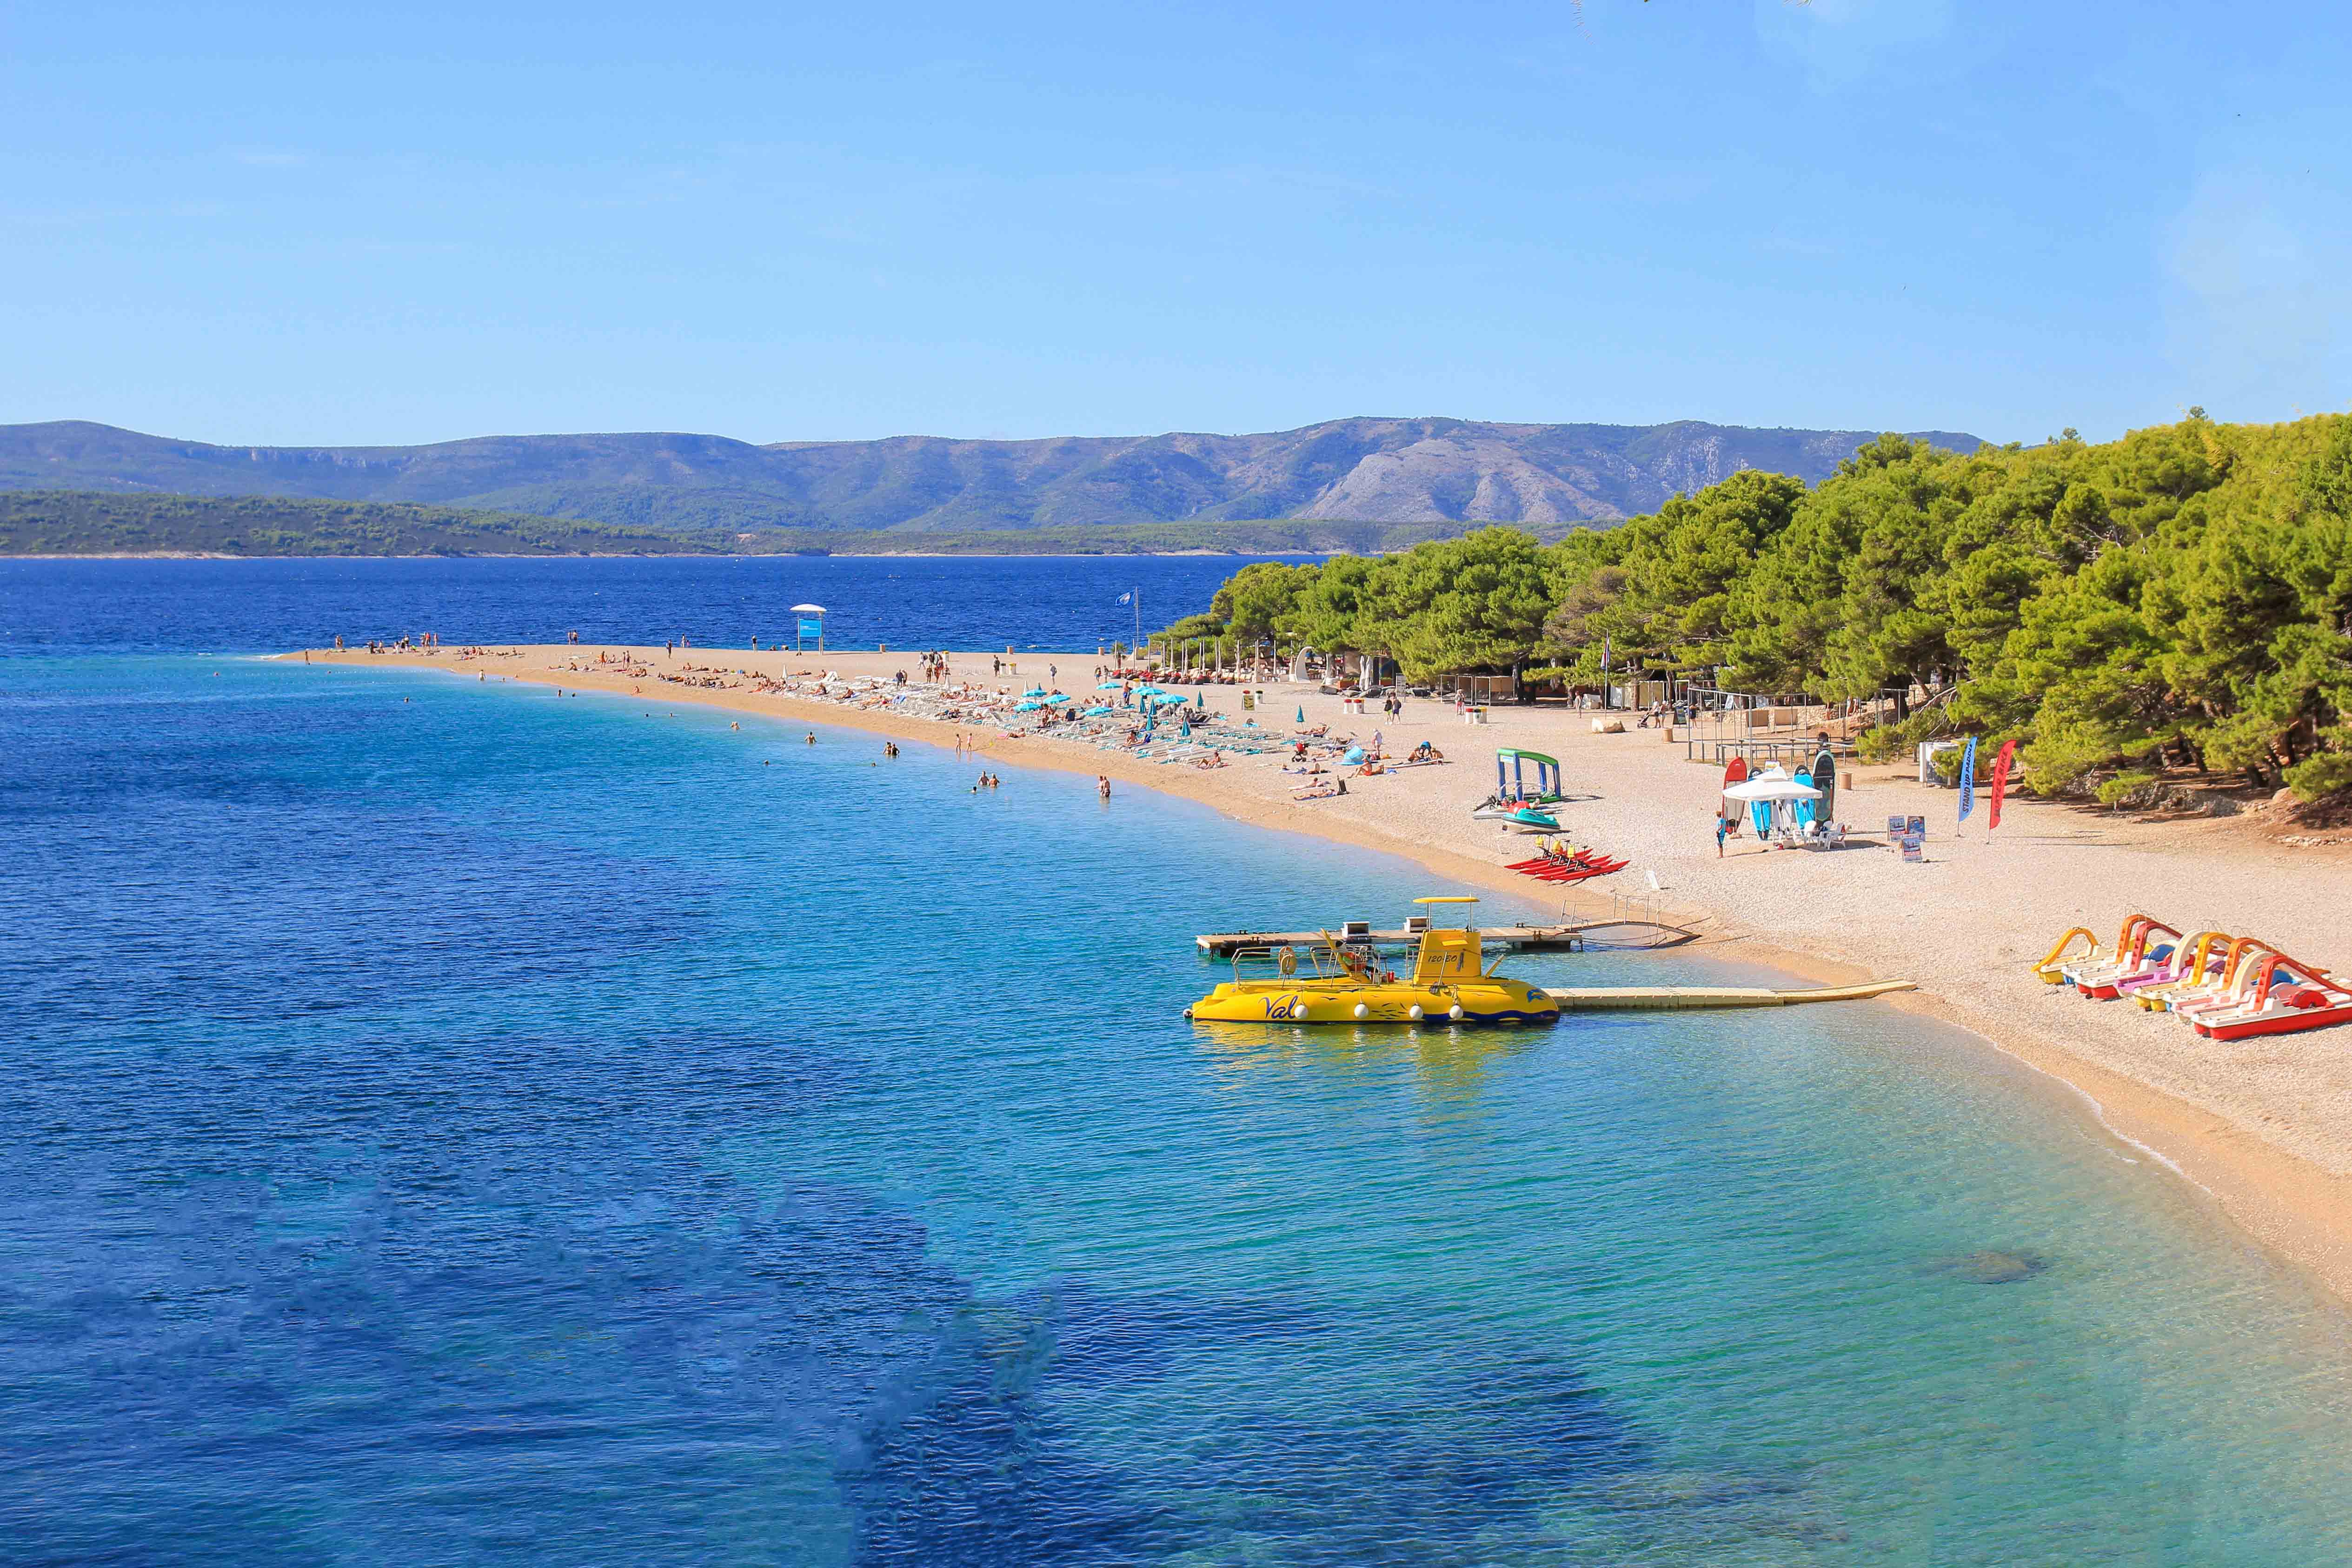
(1098, 712)
(1302, 713)
(1034, 691)
(1026, 707)
(1109, 686)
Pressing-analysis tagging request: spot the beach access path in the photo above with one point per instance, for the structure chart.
(2265, 1125)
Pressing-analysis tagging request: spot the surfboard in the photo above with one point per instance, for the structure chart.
(1736, 772)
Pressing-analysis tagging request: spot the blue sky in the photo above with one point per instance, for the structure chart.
(312, 222)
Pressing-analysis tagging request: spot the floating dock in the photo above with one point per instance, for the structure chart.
(1615, 999)
(1517, 939)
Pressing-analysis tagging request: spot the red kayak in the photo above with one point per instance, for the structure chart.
(1562, 871)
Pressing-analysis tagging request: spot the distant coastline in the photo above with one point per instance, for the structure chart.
(104, 525)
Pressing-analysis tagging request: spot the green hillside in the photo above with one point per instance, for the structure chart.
(82, 523)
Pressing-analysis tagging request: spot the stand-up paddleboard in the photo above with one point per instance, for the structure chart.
(1802, 810)
(1736, 772)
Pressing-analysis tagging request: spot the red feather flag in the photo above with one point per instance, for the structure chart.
(2000, 780)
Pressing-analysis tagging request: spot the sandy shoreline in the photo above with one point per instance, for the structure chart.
(2263, 1125)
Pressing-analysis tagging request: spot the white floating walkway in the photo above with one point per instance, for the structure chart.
(1620, 998)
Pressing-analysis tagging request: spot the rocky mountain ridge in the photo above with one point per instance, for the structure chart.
(1366, 470)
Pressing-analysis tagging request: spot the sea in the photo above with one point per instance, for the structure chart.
(447, 1122)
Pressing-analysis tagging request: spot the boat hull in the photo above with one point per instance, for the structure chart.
(1491, 1000)
(2275, 1021)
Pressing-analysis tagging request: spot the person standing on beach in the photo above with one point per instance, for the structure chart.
(1721, 827)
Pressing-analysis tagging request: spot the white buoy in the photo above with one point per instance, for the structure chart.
(1362, 1011)
(1413, 1012)
(1454, 1011)
(1299, 1009)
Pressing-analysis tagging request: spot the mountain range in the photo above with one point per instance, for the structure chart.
(1399, 472)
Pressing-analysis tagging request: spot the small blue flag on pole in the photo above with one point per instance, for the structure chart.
(1969, 778)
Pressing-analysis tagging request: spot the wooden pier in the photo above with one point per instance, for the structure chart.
(1573, 938)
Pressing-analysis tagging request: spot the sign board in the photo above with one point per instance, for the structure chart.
(811, 628)
(1913, 851)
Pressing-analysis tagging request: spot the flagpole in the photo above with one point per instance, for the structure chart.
(1137, 594)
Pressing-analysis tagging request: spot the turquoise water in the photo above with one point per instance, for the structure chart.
(451, 1122)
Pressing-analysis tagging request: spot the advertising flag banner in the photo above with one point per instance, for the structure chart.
(2000, 780)
(1969, 778)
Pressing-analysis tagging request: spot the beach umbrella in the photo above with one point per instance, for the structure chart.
(1026, 707)
(1057, 698)
(1034, 691)
(1097, 712)
(1302, 713)
(1771, 787)
(1108, 686)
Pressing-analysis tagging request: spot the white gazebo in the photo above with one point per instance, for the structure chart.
(811, 624)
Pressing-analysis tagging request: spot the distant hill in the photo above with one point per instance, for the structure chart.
(101, 523)
(84, 523)
(1435, 472)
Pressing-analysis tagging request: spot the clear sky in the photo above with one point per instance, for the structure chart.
(318, 223)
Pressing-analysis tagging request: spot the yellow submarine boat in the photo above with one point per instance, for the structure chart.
(1345, 984)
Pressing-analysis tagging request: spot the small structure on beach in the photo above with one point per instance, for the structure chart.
(810, 624)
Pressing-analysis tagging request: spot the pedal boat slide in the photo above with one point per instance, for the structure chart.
(1345, 984)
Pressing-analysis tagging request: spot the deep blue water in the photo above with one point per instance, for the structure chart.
(1051, 602)
(450, 1124)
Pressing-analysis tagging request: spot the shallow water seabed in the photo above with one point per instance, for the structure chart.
(453, 1122)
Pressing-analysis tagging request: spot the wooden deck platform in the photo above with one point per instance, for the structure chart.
(1517, 939)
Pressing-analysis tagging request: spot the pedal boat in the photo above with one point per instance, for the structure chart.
(2213, 983)
(2286, 997)
(1332, 981)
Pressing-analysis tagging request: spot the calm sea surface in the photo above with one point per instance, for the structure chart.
(447, 1123)
(1050, 602)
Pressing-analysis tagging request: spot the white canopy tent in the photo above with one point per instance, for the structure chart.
(1772, 786)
